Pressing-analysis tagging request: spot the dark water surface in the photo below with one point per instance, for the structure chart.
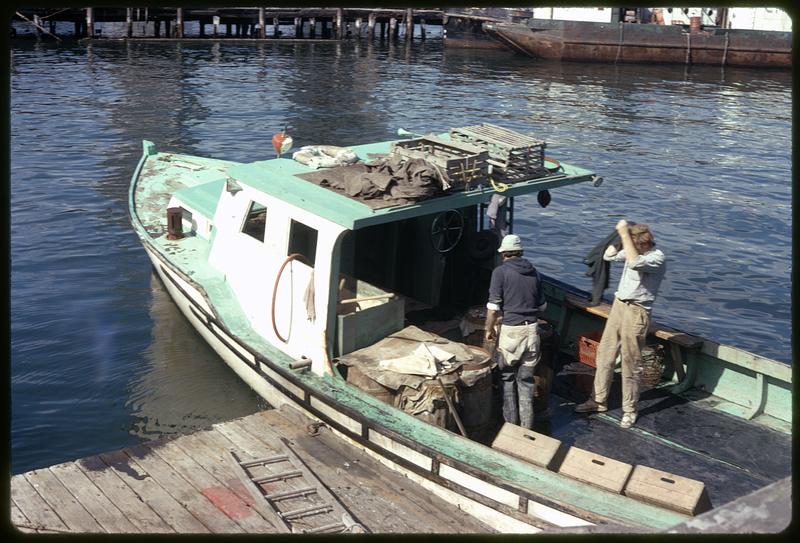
(101, 358)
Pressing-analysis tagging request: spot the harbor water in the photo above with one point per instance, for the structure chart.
(100, 356)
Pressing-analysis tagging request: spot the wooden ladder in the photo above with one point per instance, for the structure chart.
(300, 501)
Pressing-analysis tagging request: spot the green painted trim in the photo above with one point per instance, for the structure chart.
(202, 198)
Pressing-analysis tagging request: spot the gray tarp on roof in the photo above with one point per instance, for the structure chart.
(383, 183)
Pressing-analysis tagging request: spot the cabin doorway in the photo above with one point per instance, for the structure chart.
(416, 259)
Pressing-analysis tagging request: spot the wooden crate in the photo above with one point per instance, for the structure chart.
(465, 165)
(527, 445)
(668, 490)
(514, 156)
(595, 469)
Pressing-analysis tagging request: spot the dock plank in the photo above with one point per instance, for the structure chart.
(210, 449)
(212, 488)
(191, 484)
(92, 498)
(377, 495)
(112, 485)
(181, 490)
(74, 515)
(174, 513)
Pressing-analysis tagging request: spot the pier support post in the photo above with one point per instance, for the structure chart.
(422, 30)
(394, 29)
(215, 22)
(37, 27)
(129, 21)
(78, 26)
(358, 27)
(276, 28)
(339, 23)
(90, 23)
(262, 24)
(167, 29)
(409, 24)
(201, 24)
(157, 28)
(53, 28)
(179, 23)
(228, 29)
(371, 26)
(298, 27)
(312, 27)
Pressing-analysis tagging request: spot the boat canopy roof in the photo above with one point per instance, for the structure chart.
(279, 179)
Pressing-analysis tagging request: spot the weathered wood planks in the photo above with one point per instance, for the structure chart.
(188, 484)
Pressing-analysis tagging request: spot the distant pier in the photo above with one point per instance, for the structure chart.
(193, 484)
(249, 23)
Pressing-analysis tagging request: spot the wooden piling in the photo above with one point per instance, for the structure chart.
(179, 23)
(129, 21)
(409, 24)
(89, 23)
(298, 27)
(339, 23)
(37, 25)
(371, 26)
(262, 24)
(392, 28)
(215, 22)
(202, 26)
(358, 27)
(276, 28)
(312, 27)
(157, 28)
(422, 29)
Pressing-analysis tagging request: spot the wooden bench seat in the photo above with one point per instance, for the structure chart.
(674, 338)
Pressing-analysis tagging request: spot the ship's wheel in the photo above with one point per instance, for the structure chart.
(446, 230)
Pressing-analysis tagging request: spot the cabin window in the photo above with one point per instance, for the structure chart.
(255, 222)
(303, 240)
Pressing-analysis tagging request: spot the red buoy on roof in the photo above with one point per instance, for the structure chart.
(282, 142)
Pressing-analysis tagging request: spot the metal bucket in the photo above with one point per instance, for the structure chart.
(358, 379)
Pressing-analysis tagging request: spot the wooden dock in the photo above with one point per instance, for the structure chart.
(189, 484)
(250, 23)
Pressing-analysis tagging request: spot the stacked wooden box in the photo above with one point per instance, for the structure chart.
(463, 164)
(514, 156)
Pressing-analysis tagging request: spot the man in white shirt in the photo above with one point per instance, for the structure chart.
(628, 320)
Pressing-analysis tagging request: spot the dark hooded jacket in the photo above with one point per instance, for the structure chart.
(516, 287)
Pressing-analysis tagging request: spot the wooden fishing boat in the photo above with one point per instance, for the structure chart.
(311, 295)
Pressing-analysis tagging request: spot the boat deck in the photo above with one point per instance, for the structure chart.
(189, 484)
(687, 437)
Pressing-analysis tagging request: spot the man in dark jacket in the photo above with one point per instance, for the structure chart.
(516, 292)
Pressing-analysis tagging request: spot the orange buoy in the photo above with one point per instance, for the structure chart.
(282, 142)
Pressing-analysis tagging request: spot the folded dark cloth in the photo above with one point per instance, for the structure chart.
(599, 269)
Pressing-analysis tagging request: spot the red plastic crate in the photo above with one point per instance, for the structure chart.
(587, 347)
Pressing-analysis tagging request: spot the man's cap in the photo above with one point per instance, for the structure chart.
(510, 243)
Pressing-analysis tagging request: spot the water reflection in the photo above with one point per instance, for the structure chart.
(183, 384)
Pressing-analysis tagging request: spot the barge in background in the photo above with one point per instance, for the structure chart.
(322, 298)
(710, 37)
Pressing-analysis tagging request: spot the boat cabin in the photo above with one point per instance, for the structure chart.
(325, 274)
